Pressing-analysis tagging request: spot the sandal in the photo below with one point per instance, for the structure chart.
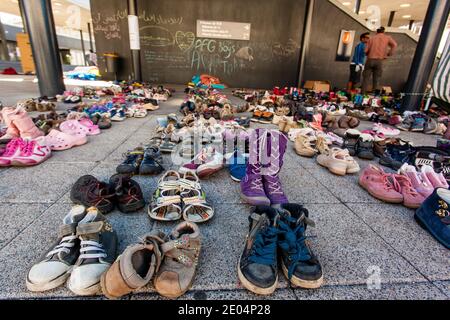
(167, 146)
(166, 204)
(195, 207)
(59, 141)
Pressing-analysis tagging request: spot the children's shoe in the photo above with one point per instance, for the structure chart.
(351, 139)
(118, 116)
(386, 131)
(434, 216)
(11, 151)
(298, 262)
(128, 193)
(258, 266)
(97, 252)
(335, 160)
(181, 254)
(32, 153)
(381, 185)
(433, 178)
(238, 166)
(152, 162)
(132, 162)
(418, 183)
(303, 146)
(134, 268)
(90, 192)
(55, 268)
(91, 127)
(59, 141)
(365, 147)
(411, 198)
(418, 124)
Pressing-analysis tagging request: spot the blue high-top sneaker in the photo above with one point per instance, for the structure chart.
(434, 216)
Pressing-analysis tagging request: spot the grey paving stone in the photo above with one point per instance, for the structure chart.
(45, 183)
(397, 226)
(444, 286)
(347, 248)
(16, 217)
(280, 294)
(400, 291)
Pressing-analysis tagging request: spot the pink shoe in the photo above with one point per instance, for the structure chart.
(381, 185)
(59, 141)
(12, 150)
(386, 131)
(421, 186)
(74, 127)
(433, 178)
(411, 198)
(93, 129)
(32, 153)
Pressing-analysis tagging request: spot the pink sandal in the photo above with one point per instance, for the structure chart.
(93, 129)
(59, 141)
(74, 127)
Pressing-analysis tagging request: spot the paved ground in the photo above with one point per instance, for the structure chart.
(356, 236)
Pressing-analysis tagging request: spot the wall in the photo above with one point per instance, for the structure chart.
(110, 26)
(171, 52)
(320, 64)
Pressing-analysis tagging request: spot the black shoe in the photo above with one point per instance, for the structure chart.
(365, 147)
(128, 193)
(258, 267)
(151, 164)
(351, 141)
(132, 162)
(396, 155)
(298, 262)
(90, 192)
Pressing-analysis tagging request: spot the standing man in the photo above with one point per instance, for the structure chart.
(358, 61)
(92, 58)
(378, 49)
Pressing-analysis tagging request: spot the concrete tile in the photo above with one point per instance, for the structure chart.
(345, 189)
(409, 239)
(16, 217)
(348, 248)
(444, 286)
(412, 291)
(227, 295)
(41, 184)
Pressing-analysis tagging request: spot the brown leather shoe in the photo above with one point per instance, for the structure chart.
(134, 268)
(181, 252)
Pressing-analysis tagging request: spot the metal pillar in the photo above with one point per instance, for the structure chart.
(411, 24)
(4, 52)
(135, 52)
(24, 20)
(357, 6)
(305, 39)
(41, 27)
(391, 18)
(91, 43)
(83, 49)
(427, 48)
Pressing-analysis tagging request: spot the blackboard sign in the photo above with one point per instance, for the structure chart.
(172, 52)
(223, 30)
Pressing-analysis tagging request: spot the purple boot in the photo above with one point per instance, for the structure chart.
(276, 148)
(252, 188)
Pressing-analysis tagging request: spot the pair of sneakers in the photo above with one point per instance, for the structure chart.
(278, 235)
(120, 191)
(207, 162)
(24, 153)
(359, 144)
(171, 260)
(142, 161)
(85, 249)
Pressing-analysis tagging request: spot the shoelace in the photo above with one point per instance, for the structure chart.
(264, 247)
(275, 187)
(94, 193)
(406, 185)
(64, 245)
(96, 248)
(390, 182)
(293, 243)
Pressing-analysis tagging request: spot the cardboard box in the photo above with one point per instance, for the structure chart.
(318, 86)
(387, 90)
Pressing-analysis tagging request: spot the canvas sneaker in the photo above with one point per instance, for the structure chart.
(258, 266)
(54, 268)
(381, 185)
(98, 245)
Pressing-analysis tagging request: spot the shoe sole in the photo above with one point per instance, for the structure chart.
(90, 291)
(131, 207)
(235, 179)
(103, 287)
(301, 283)
(49, 285)
(380, 198)
(256, 201)
(424, 225)
(339, 172)
(253, 288)
(149, 212)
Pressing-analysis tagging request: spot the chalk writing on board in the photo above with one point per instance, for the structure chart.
(184, 40)
(155, 36)
(158, 19)
(165, 59)
(109, 25)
